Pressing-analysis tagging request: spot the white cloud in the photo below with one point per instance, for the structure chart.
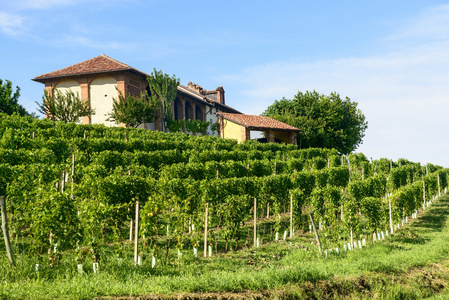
(44, 4)
(404, 94)
(11, 24)
(54, 4)
(85, 42)
(432, 23)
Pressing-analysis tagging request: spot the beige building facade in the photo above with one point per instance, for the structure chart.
(99, 80)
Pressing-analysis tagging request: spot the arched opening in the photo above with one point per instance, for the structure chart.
(178, 110)
(199, 115)
(68, 84)
(255, 135)
(188, 111)
(101, 91)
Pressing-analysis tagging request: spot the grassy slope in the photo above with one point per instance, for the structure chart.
(414, 263)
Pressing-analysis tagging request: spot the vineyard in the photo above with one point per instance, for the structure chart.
(71, 188)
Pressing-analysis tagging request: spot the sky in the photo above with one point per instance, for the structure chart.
(389, 56)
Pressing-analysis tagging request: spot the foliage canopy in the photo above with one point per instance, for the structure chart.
(9, 99)
(326, 121)
(67, 107)
(163, 90)
(133, 111)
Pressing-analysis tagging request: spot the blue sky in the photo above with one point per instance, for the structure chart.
(392, 57)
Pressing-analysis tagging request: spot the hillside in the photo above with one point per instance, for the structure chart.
(72, 191)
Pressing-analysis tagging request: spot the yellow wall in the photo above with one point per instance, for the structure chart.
(283, 136)
(232, 130)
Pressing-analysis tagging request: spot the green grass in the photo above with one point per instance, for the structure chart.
(411, 264)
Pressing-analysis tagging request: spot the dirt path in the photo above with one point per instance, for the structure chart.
(429, 280)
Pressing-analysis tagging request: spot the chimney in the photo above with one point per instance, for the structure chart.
(220, 95)
(195, 87)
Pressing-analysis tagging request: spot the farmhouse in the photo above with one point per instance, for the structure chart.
(100, 79)
(239, 127)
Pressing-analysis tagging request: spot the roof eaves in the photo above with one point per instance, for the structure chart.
(203, 99)
(227, 107)
(43, 77)
(229, 119)
(121, 67)
(259, 128)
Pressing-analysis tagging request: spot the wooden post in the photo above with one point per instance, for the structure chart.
(342, 214)
(268, 210)
(316, 232)
(63, 182)
(291, 215)
(350, 170)
(136, 236)
(255, 222)
(131, 221)
(205, 229)
(131, 230)
(352, 238)
(73, 167)
(328, 163)
(5, 231)
(391, 217)
(73, 172)
(424, 193)
(217, 174)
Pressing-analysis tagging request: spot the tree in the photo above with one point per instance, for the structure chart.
(326, 121)
(175, 126)
(196, 126)
(163, 90)
(66, 107)
(133, 111)
(9, 99)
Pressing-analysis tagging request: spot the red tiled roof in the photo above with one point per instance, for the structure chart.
(258, 122)
(104, 63)
(99, 64)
